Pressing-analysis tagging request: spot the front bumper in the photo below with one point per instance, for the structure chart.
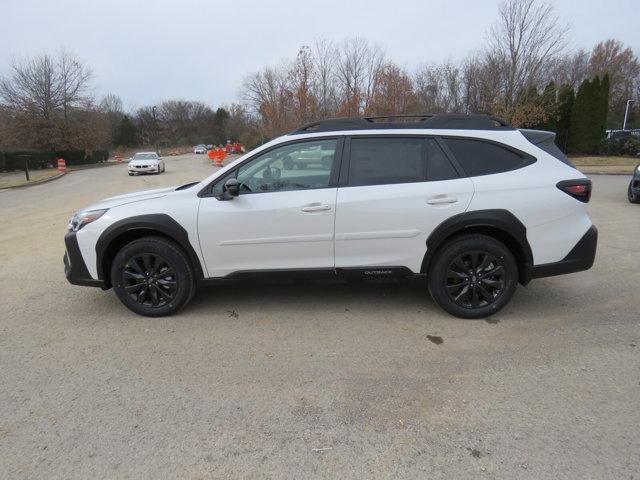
(581, 257)
(153, 169)
(74, 267)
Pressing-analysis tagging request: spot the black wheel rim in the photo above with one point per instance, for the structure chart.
(149, 280)
(475, 279)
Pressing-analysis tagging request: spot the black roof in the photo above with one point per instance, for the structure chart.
(437, 120)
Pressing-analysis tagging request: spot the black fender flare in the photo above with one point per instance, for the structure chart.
(157, 223)
(487, 220)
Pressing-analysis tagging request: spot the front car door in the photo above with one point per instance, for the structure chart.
(394, 191)
(283, 218)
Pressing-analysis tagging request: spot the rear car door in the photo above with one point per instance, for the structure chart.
(393, 192)
(283, 218)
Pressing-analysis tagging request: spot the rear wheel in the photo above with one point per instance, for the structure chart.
(633, 197)
(152, 277)
(473, 276)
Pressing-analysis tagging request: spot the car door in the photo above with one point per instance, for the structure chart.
(283, 217)
(393, 192)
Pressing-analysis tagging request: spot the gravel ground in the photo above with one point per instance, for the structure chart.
(311, 380)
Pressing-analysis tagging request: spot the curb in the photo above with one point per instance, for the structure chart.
(33, 184)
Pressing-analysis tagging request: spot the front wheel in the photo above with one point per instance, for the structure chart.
(473, 276)
(152, 277)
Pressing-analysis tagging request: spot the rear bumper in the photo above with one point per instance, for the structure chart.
(74, 267)
(581, 257)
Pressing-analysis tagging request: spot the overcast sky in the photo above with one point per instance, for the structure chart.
(147, 51)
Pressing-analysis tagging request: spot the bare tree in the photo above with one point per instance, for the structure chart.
(357, 70)
(393, 93)
(440, 88)
(526, 36)
(621, 64)
(46, 95)
(324, 55)
(301, 75)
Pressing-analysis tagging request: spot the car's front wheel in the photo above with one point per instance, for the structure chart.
(473, 276)
(631, 195)
(152, 277)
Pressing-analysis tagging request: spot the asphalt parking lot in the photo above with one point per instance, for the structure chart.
(312, 380)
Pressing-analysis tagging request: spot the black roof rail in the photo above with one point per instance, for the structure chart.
(452, 121)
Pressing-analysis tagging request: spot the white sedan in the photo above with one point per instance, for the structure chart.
(146, 162)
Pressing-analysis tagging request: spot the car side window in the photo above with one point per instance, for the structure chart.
(478, 157)
(297, 166)
(380, 161)
(438, 165)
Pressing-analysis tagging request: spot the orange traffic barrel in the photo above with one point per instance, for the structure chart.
(62, 165)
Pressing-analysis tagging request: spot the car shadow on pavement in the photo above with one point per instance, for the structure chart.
(313, 296)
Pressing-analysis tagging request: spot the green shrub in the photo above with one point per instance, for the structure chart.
(11, 160)
(620, 146)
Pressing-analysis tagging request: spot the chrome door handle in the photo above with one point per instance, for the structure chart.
(316, 207)
(442, 200)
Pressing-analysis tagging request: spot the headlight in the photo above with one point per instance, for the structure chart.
(82, 218)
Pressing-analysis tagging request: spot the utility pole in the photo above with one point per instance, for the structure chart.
(155, 128)
(626, 114)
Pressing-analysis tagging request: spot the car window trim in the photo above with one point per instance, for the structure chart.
(207, 191)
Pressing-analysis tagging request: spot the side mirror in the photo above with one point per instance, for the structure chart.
(231, 188)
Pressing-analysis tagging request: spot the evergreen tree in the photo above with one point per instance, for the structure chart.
(603, 108)
(125, 134)
(579, 132)
(549, 105)
(564, 108)
(589, 116)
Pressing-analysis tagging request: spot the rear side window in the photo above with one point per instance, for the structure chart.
(438, 165)
(552, 149)
(478, 157)
(379, 161)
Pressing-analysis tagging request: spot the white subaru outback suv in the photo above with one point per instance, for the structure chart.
(475, 205)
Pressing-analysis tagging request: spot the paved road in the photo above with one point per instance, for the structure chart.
(312, 381)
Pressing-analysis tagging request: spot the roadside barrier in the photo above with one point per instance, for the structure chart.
(62, 165)
(217, 155)
(221, 155)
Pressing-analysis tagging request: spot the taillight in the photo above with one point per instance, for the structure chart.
(579, 189)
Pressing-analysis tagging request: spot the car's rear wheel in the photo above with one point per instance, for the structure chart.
(473, 276)
(152, 277)
(633, 197)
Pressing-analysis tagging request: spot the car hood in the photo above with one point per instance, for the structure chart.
(131, 197)
(144, 162)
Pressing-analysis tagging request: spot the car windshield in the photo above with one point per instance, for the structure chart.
(145, 156)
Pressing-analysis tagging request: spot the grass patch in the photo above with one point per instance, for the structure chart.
(598, 161)
(14, 179)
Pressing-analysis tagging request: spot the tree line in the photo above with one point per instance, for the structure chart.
(47, 103)
(524, 72)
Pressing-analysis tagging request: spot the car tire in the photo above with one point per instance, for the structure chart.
(633, 198)
(472, 276)
(152, 277)
(130, 174)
